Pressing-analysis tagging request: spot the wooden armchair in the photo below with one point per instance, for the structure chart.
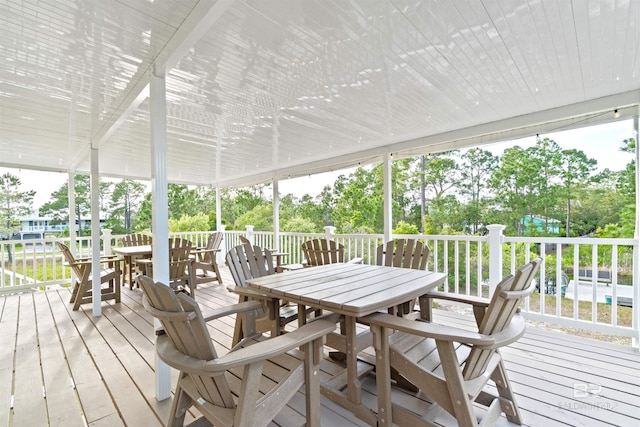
(204, 260)
(136, 239)
(451, 365)
(247, 386)
(181, 272)
(248, 262)
(403, 253)
(82, 291)
(324, 251)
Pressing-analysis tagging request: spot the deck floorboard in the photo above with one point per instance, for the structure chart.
(61, 367)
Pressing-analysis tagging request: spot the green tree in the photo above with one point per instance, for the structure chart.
(198, 222)
(597, 205)
(13, 204)
(546, 159)
(126, 198)
(476, 168)
(360, 197)
(58, 205)
(576, 173)
(261, 217)
(513, 183)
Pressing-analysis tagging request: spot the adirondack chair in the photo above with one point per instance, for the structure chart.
(248, 262)
(451, 366)
(204, 260)
(82, 291)
(324, 251)
(136, 239)
(181, 272)
(247, 386)
(404, 253)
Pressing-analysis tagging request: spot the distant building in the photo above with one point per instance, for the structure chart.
(539, 223)
(35, 227)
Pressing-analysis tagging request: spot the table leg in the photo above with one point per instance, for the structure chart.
(383, 374)
(353, 383)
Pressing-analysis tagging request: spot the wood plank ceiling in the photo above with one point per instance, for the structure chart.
(258, 89)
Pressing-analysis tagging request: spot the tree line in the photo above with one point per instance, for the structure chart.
(456, 192)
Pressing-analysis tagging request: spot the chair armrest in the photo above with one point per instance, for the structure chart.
(203, 251)
(357, 260)
(85, 260)
(512, 333)
(247, 292)
(467, 299)
(258, 352)
(232, 309)
(427, 330)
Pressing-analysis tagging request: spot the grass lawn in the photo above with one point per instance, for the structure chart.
(604, 312)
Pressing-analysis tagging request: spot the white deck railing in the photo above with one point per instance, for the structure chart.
(473, 265)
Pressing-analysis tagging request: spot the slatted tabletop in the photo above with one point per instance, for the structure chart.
(351, 289)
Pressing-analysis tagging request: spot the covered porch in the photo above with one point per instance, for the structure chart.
(60, 367)
(230, 93)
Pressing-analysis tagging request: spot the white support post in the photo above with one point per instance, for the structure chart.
(95, 233)
(71, 194)
(329, 232)
(635, 342)
(276, 216)
(249, 229)
(106, 241)
(387, 196)
(218, 210)
(220, 227)
(495, 255)
(160, 216)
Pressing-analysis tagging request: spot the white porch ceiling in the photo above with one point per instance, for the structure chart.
(270, 88)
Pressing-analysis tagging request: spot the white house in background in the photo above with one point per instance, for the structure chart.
(36, 227)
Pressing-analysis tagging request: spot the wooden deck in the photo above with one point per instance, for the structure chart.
(64, 368)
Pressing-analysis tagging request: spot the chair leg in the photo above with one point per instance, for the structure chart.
(312, 357)
(80, 294)
(217, 272)
(181, 404)
(463, 410)
(74, 293)
(117, 286)
(507, 398)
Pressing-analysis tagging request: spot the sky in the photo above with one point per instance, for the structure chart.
(598, 142)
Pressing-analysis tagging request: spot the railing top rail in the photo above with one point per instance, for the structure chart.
(573, 240)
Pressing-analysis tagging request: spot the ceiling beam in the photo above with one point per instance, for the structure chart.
(591, 112)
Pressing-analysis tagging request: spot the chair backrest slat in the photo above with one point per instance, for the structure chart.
(405, 253)
(322, 251)
(189, 336)
(136, 239)
(82, 271)
(213, 244)
(248, 262)
(499, 314)
(179, 250)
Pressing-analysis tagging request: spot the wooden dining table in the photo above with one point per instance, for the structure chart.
(129, 254)
(354, 291)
